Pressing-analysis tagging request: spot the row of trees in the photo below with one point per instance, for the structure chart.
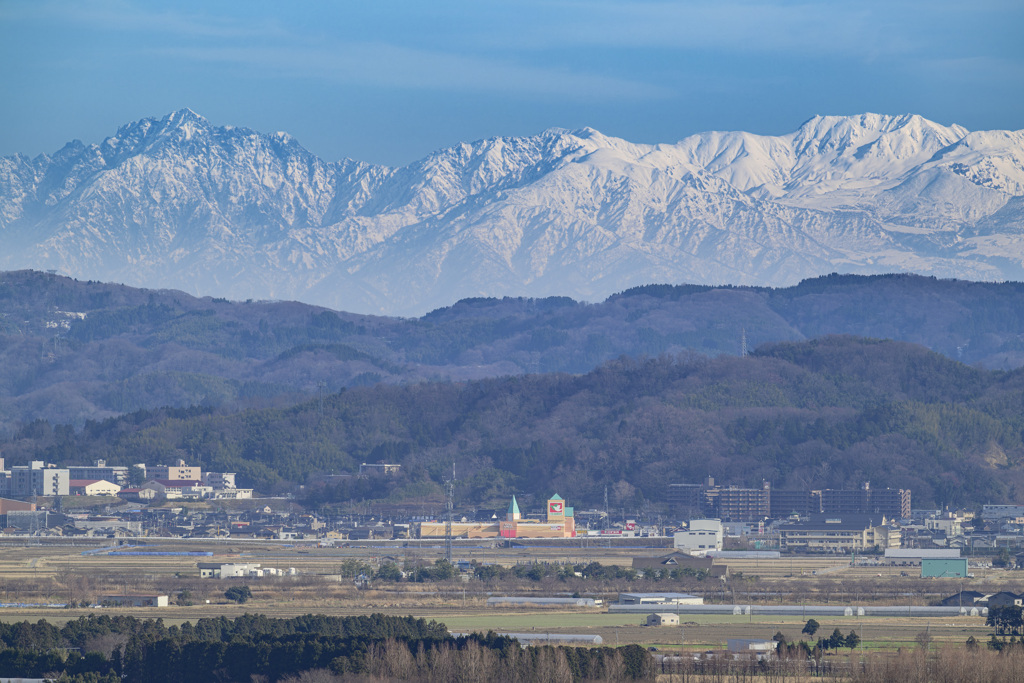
(442, 570)
(134, 651)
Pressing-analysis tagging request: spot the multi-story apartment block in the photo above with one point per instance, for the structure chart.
(893, 503)
(800, 502)
(737, 504)
(115, 474)
(39, 479)
(743, 505)
(219, 480)
(828, 534)
(179, 472)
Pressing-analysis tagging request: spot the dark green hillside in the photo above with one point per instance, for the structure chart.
(75, 351)
(828, 413)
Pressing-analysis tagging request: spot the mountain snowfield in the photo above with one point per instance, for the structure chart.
(180, 203)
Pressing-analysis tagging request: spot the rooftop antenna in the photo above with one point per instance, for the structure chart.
(450, 505)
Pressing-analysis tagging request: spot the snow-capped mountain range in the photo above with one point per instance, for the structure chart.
(180, 203)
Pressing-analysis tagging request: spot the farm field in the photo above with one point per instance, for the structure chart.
(55, 571)
(697, 632)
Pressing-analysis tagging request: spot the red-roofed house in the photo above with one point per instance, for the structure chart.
(141, 495)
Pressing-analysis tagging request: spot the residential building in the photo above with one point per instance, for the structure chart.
(115, 474)
(686, 500)
(219, 480)
(893, 503)
(962, 599)
(179, 472)
(998, 512)
(785, 503)
(38, 479)
(948, 523)
(679, 560)
(738, 504)
(830, 534)
(734, 504)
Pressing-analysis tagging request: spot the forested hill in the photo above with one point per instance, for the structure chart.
(73, 351)
(827, 413)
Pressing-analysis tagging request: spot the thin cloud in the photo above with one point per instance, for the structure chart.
(821, 28)
(125, 16)
(394, 66)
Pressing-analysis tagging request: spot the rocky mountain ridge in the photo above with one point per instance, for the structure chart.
(181, 203)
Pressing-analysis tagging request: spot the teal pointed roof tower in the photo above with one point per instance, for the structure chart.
(513, 509)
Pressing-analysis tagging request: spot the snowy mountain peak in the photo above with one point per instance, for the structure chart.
(179, 202)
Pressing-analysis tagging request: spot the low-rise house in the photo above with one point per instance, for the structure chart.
(962, 599)
(137, 494)
(678, 560)
(222, 570)
(1000, 599)
(662, 619)
(108, 525)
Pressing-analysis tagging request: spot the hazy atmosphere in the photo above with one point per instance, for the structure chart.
(497, 341)
(390, 82)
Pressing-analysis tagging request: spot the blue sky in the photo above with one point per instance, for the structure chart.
(391, 80)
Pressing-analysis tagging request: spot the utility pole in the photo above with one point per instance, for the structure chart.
(606, 508)
(450, 505)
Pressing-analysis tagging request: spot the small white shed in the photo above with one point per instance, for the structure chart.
(663, 619)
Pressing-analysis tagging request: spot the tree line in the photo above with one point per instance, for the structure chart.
(101, 649)
(829, 413)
